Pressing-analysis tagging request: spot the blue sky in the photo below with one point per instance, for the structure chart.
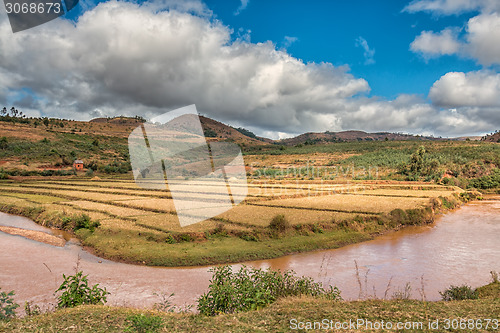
(327, 31)
(279, 68)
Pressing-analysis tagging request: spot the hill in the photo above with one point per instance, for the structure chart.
(494, 137)
(348, 136)
(34, 129)
(217, 131)
(32, 146)
(48, 146)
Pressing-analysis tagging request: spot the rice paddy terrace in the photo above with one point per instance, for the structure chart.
(140, 225)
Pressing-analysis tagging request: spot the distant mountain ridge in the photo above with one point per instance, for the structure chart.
(217, 131)
(346, 136)
(214, 131)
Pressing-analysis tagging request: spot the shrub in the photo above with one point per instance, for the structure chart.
(116, 167)
(458, 293)
(185, 237)
(252, 289)
(399, 216)
(447, 203)
(7, 305)
(84, 222)
(209, 133)
(279, 224)
(143, 323)
(3, 143)
(248, 236)
(219, 231)
(418, 216)
(316, 229)
(170, 239)
(246, 132)
(486, 182)
(419, 165)
(76, 291)
(77, 222)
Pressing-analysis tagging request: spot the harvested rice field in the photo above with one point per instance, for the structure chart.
(140, 224)
(259, 216)
(348, 203)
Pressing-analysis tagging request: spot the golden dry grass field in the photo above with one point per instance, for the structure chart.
(134, 217)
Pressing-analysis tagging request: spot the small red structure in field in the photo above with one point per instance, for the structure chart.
(78, 164)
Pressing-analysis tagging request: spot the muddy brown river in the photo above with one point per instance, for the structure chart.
(463, 246)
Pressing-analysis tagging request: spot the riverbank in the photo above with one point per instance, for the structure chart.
(282, 316)
(107, 219)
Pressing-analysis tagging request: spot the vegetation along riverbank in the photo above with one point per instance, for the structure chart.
(254, 300)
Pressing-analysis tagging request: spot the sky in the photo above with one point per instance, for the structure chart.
(278, 68)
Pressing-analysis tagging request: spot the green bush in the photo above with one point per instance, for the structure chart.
(3, 143)
(170, 239)
(76, 291)
(421, 165)
(185, 237)
(399, 216)
(209, 133)
(279, 224)
(448, 204)
(252, 289)
(486, 182)
(458, 293)
(144, 324)
(116, 167)
(219, 231)
(248, 236)
(7, 305)
(77, 222)
(246, 132)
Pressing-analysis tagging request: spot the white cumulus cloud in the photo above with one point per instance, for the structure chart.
(432, 44)
(126, 58)
(483, 38)
(132, 59)
(474, 89)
